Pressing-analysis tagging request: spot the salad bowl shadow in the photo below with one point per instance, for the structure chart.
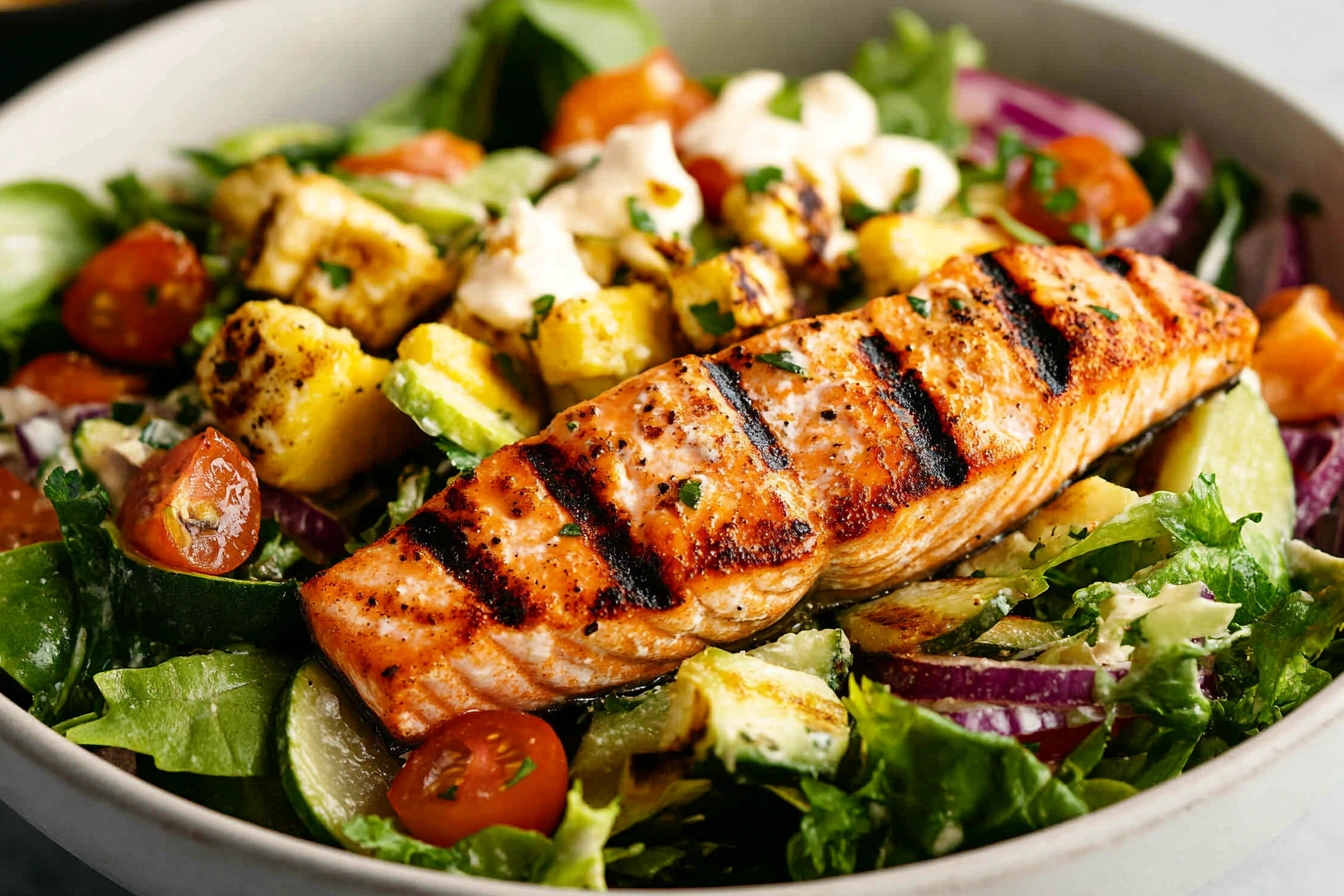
(227, 64)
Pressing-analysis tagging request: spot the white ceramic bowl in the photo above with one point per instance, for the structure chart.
(233, 63)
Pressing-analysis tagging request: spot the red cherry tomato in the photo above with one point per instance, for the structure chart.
(136, 300)
(195, 507)
(1108, 195)
(656, 88)
(483, 769)
(714, 180)
(26, 516)
(438, 154)
(71, 378)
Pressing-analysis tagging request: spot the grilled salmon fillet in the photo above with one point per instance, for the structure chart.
(697, 503)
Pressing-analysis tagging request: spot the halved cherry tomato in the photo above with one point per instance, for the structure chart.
(1093, 186)
(656, 88)
(136, 300)
(715, 180)
(71, 378)
(26, 516)
(438, 154)
(482, 769)
(1300, 355)
(195, 507)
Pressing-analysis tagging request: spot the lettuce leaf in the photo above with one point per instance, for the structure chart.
(574, 858)
(912, 75)
(209, 714)
(38, 606)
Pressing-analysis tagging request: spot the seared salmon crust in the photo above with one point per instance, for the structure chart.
(698, 502)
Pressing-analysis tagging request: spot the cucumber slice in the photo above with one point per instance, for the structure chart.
(332, 764)
(824, 653)
(111, 451)
(442, 408)
(434, 205)
(296, 137)
(1013, 635)
(506, 175)
(1235, 437)
(934, 617)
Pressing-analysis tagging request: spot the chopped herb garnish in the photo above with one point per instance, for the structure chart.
(788, 103)
(572, 425)
(513, 373)
(759, 181)
(857, 213)
(690, 493)
(712, 320)
(640, 219)
(978, 574)
(920, 306)
(459, 457)
(1087, 235)
(1017, 230)
(1106, 313)
(784, 361)
(1043, 171)
(906, 201)
(1061, 201)
(338, 275)
(128, 413)
(542, 305)
(571, 530)
(152, 295)
(526, 768)
(162, 434)
(449, 794)
(957, 304)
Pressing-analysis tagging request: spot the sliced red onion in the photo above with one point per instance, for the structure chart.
(975, 680)
(1271, 256)
(1016, 720)
(76, 414)
(303, 521)
(20, 403)
(990, 102)
(1317, 455)
(1178, 213)
(40, 437)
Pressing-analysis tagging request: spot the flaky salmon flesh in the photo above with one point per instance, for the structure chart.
(697, 503)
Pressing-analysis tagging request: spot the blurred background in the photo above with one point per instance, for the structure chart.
(1290, 43)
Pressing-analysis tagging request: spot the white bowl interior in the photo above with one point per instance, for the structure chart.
(233, 63)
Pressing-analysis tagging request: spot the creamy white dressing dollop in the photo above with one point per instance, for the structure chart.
(527, 254)
(878, 173)
(639, 162)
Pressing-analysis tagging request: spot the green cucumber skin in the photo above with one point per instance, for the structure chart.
(288, 778)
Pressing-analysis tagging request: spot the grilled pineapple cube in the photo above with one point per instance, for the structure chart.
(600, 257)
(472, 365)
(897, 251)
(731, 296)
(246, 195)
(799, 220)
(605, 338)
(351, 261)
(300, 397)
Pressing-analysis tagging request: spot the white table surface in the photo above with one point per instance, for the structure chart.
(1294, 44)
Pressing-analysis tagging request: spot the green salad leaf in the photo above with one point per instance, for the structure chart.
(1232, 201)
(912, 75)
(47, 230)
(209, 714)
(514, 61)
(38, 607)
(135, 202)
(574, 858)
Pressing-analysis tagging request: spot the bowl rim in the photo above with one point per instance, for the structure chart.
(101, 781)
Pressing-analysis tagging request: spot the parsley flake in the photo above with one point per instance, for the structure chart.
(957, 304)
(690, 493)
(1106, 313)
(788, 103)
(571, 530)
(759, 181)
(527, 768)
(712, 320)
(1087, 235)
(920, 306)
(784, 361)
(857, 213)
(978, 574)
(1061, 201)
(338, 275)
(542, 305)
(640, 219)
(572, 425)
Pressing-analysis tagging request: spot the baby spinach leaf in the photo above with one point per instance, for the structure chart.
(37, 606)
(912, 75)
(47, 230)
(209, 714)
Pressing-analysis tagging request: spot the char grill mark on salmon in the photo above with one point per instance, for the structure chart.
(920, 432)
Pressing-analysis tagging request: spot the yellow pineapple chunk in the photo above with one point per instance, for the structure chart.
(731, 296)
(897, 251)
(472, 365)
(356, 264)
(246, 195)
(797, 219)
(300, 397)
